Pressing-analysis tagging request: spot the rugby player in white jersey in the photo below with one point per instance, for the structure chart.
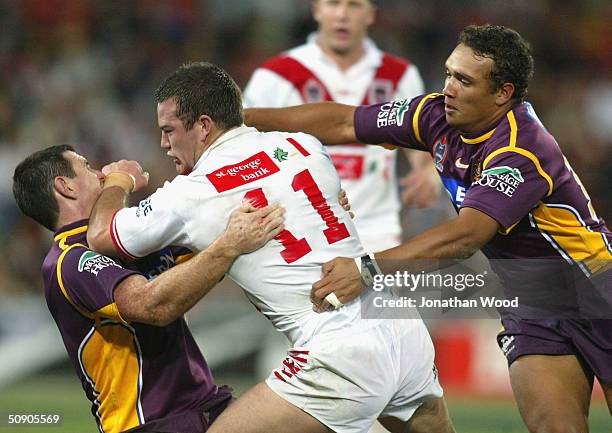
(340, 63)
(342, 372)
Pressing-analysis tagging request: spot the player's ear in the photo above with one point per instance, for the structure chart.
(62, 185)
(206, 124)
(504, 94)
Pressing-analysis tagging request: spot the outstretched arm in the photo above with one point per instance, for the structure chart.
(330, 122)
(458, 239)
(170, 295)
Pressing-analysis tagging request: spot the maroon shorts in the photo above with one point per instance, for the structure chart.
(589, 340)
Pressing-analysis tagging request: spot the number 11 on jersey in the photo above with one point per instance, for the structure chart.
(298, 248)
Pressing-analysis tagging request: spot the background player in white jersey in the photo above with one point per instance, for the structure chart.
(342, 372)
(340, 63)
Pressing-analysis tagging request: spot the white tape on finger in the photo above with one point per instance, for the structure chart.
(333, 299)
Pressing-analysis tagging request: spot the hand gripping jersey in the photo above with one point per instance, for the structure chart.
(514, 172)
(292, 169)
(304, 74)
(141, 377)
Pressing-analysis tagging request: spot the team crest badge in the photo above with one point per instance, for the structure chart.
(440, 152)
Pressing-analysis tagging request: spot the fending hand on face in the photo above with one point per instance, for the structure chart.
(131, 169)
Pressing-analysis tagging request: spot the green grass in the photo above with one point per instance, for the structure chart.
(63, 395)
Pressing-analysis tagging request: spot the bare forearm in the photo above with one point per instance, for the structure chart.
(330, 122)
(176, 291)
(98, 234)
(426, 252)
(438, 247)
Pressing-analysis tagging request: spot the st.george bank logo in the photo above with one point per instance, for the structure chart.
(256, 167)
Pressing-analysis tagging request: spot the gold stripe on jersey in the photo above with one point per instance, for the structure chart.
(62, 236)
(507, 231)
(578, 242)
(417, 113)
(526, 154)
(479, 139)
(60, 280)
(183, 258)
(112, 363)
(583, 189)
(513, 129)
(111, 311)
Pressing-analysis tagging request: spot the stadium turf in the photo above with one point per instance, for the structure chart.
(62, 395)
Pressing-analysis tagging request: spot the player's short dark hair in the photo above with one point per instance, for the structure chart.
(33, 183)
(203, 88)
(511, 55)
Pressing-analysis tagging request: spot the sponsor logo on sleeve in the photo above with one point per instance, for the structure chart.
(392, 113)
(503, 179)
(144, 207)
(93, 262)
(249, 170)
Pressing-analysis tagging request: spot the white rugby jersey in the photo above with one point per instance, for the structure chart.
(305, 74)
(291, 169)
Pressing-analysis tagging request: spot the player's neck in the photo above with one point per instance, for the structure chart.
(209, 141)
(344, 60)
(490, 121)
(70, 214)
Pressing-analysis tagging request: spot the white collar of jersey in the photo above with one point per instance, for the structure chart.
(224, 138)
(371, 58)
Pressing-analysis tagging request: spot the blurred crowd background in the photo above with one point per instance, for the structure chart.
(84, 72)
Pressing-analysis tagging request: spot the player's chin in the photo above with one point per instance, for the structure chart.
(453, 119)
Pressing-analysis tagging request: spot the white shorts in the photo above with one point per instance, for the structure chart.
(348, 378)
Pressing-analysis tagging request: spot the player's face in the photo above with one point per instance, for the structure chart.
(181, 145)
(469, 99)
(343, 24)
(88, 182)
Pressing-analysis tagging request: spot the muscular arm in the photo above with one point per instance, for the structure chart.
(458, 239)
(170, 295)
(98, 232)
(330, 122)
(114, 197)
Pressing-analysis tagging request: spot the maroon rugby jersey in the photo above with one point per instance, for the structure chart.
(135, 375)
(514, 171)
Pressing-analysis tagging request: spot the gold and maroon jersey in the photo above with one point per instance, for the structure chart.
(135, 375)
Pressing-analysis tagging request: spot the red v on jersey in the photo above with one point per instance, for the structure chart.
(302, 78)
(382, 88)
